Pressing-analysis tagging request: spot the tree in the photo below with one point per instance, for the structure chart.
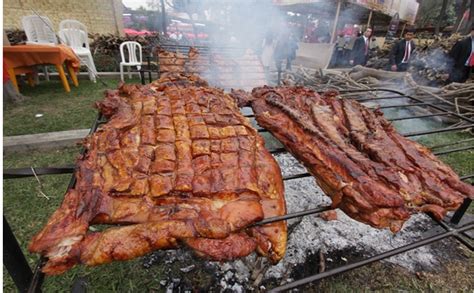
(429, 13)
(461, 6)
(442, 16)
(471, 16)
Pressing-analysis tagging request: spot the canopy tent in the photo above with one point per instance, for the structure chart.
(359, 9)
(375, 13)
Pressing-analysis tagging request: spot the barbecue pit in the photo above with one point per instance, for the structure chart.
(299, 185)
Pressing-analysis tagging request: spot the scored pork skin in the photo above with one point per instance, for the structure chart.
(176, 162)
(371, 172)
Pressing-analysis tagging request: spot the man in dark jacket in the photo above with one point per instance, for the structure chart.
(360, 51)
(401, 52)
(462, 55)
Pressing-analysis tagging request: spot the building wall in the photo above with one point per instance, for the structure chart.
(100, 16)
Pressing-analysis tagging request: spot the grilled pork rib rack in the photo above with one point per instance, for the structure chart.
(371, 172)
(176, 163)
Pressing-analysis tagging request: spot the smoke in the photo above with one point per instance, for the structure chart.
(236, 31)
(244, 23)
(436, 58)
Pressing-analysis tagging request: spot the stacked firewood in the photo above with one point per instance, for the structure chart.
(109, 44)
(430, 63)
(16, 36)
(378, 57)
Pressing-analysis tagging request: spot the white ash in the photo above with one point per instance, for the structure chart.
(289, 165)
(308, 235)
(312, 234)
(237, 288)
(187, 269)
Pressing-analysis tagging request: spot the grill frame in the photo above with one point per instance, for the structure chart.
(207, 53)
(20, 270)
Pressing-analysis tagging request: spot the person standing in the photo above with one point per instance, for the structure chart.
(281, 50)
(292, 48)
(360, 51)
(462, 54)
(401, 52)
(267, 53)
(340, 50)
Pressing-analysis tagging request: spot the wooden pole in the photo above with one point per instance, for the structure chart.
(441, 17)
(403, 30)
(460, 22)
(163, 16)
(336, 20)
(370, 18)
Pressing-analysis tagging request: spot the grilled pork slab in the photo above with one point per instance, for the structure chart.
(370, 171)
(175, 163)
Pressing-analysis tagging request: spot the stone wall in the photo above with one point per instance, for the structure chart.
(100, 16)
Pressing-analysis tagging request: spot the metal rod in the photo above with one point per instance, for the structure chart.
(292, 215)
(454, 150)
(437, 130)
(296, 176)
(28, 172)
(416, 133)
(403, 105)
(466, 177)
(360, 100)
(38, 277)
(149, 67)
(202, 47)
(462, 117)
(14, 259)
(419, 116)
(142, 76)
(457, 216)
(391, 119)
(369, 260)
(452, 143)
(459, 237)
(278, 151)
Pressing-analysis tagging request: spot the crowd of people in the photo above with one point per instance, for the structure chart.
(355, 51)
(461, 55)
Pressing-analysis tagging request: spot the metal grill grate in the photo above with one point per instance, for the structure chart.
(238, 67)
(33, 281)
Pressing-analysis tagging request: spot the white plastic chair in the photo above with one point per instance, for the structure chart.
(72, 23)
(77, 39)
(133, 60)
(39, 30)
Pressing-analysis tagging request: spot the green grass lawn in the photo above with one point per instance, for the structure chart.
(61, 110)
